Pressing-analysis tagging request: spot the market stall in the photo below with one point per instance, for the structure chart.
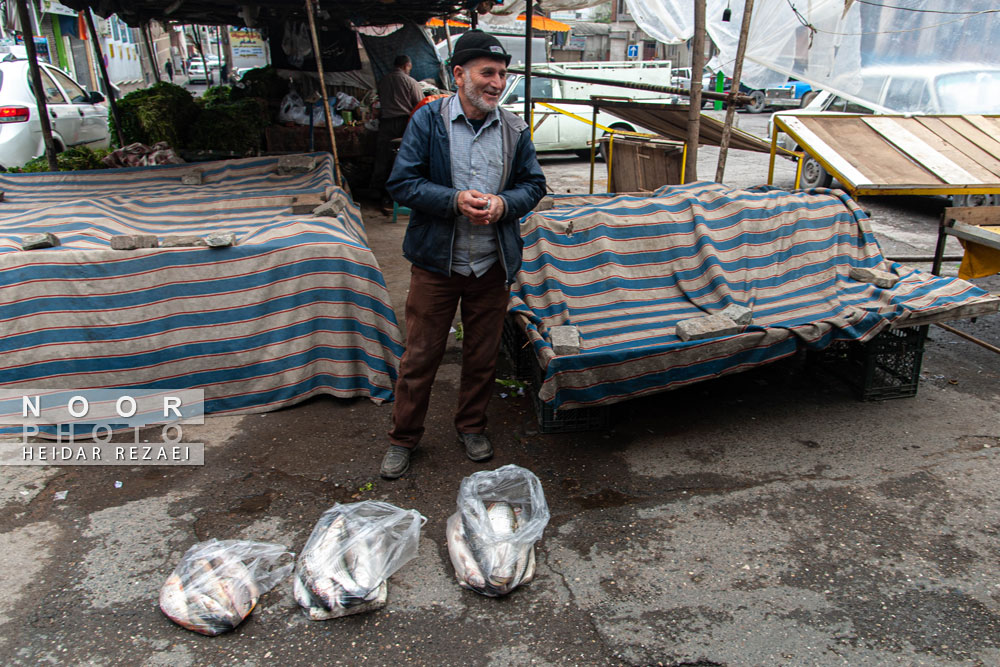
(297, 307)
(626, 271)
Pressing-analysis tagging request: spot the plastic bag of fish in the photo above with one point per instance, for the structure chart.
(217, 583)
(491, 538)
(351, 552)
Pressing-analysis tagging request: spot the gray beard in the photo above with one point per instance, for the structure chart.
(476, 98)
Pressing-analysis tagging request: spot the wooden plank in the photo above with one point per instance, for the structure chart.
(975, 235)
(861, 145)
(961, 312)
(914, 126)
(920, 151)
(974, 215)
(984, 124)
(960, 142)
(812, 143)
(973, 134)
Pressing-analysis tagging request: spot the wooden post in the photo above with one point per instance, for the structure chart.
(27, 29)
(529, 13)
(694, 112)
(104, 75)
(322, 87)
(727, 127)
(147, 36)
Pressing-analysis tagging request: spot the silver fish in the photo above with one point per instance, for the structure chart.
(501, 554)
(325, 573)
(360, 557)
(467, 570)
(209, 596)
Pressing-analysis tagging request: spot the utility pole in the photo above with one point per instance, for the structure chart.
(694, 112)
(36, 82)
(727, 128)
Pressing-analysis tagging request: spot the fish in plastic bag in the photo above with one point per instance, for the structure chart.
(351, 552)
(217, 583)
(491, 538)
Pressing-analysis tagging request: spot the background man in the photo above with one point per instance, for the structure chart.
(398, 93)
(468, 171)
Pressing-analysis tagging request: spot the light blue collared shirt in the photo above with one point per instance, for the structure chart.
(476, 164)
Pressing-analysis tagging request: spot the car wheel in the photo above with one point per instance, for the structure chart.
(757, 102)
(807, 98)
(814, 175)
(975, 200)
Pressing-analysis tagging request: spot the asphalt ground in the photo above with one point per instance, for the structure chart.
(767, 518)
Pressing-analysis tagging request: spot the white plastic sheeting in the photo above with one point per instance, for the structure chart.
(936, 56)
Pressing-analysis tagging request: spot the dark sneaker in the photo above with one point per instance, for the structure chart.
(477, 446)
(395, 462)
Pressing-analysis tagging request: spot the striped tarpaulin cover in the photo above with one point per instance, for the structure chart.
(298, 307)
(624, 270)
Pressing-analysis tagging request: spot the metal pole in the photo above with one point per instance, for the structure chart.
(322, 87)
(104, 75)
(727, 128)
(694, 110)
(529, 14)
(593, 147)
(218, 50)
(36, 82)
(637, 85)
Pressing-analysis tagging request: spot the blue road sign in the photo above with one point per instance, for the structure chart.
(633, 51)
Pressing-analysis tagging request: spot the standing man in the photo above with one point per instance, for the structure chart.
(169, 67)
(467, 170)
(398, 93)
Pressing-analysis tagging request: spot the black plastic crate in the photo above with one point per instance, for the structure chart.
(515, 346)
(887, 366)
(566, 420)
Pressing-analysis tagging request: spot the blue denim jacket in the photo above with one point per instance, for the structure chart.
(421, 180)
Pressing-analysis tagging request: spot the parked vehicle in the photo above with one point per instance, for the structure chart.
(198, 73)
(77, 117)
(952, 89)
(558, 132)
(787, 95)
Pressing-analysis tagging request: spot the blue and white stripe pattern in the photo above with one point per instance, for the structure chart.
(624, 270)
(298, 308)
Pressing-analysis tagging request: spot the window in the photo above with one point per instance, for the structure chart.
(52, 93)
(846, 106)
(908, 95)
(77, 95)
(539, 88)
(970, 92)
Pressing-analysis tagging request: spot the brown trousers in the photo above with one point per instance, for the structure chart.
(430, 309)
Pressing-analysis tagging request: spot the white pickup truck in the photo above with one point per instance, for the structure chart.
(555, 131)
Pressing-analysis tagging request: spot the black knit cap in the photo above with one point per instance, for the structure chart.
(478, 44)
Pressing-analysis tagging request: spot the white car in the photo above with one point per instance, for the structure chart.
(951, 89)
(197, 72)
(77, 117)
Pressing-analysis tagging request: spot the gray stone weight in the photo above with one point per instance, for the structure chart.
(565, 339)
(882, 279)
(182, 242)
(133, 241)
(737, 313)
(706, 326)
(220, 239)
(39, 241)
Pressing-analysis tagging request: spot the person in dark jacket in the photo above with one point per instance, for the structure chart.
(468, 171)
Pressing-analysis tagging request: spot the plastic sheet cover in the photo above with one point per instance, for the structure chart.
(930, 56)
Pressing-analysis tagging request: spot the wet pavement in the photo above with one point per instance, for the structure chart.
(768, 518)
